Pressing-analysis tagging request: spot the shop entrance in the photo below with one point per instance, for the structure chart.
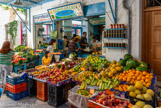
(151, 40)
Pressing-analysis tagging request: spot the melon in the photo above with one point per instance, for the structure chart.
(144, 90)
(147, 106)
(137, 91)
(150, 91)
(135, 106)
(130, 88)
(147, 97)
(132, 94)
(139, 85)
(140, 104)
(139, 96)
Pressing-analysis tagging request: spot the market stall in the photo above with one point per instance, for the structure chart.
(97, 83)
(84, 20)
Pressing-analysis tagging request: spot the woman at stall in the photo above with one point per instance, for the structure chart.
(50, 48)
(6, 58)
(46, 59)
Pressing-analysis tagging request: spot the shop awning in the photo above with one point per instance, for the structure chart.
(24, 4)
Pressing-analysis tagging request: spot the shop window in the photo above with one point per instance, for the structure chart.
(152, 3)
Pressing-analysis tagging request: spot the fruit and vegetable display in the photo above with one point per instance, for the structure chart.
(129, 77)
(109, 101)
(92, 62)
(139, 91)
(122, 87)
(58, 76)
(131, 63)
(21, 48)
(113, 69)
(18, 59)
(83, 92)
(94, 79)
(132, 76)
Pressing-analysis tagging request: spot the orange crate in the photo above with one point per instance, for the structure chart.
(16, 88)
(42, 91)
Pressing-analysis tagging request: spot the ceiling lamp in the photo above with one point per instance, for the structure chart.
(18, 2)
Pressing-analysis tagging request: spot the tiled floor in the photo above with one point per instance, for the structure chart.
(27, 102)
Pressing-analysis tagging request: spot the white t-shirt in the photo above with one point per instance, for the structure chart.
(94, 43)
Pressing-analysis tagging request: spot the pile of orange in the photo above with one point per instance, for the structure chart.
(132, 76)
(122, 87)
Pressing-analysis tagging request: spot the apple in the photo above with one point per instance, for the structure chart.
(100, 100)
(104, 103)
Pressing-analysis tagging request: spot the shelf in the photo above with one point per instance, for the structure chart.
(67, 31)
(67, 26)
(115, 47)
(116, 29)
(114, 38)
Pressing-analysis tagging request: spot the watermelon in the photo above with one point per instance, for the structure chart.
(141, 69)
(126, 68)
(128, 56)
(143, 64)
(131, 63)
(123, 62)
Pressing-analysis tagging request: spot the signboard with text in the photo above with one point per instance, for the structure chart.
(67, 11)
(42, 18)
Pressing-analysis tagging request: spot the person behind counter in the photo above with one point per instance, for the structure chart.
(83, 41)
(50, 48)
(46, 59)
(78, 44)
(94, 42)
(6, 57)
(73, 45)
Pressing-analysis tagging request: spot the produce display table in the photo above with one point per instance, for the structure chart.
(21, 67)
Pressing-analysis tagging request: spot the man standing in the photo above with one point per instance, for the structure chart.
(83, 41)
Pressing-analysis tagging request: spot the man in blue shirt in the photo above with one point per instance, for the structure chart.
(83, 41)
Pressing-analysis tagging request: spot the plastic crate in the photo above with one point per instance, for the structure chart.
(56, 95)
(15, 81)
(16, 88)
(16, 96)
(31, 87)
(67, 88)
(42, 93)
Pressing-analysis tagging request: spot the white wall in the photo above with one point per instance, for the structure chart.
(122, 18)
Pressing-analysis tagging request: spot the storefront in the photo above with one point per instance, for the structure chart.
(42, 28)
(76, 19)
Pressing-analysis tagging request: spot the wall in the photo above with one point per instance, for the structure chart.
(122, 18)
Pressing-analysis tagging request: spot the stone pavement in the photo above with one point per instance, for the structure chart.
(28, 102)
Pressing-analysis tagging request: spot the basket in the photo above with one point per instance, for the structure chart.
(15, 81)
(16, 96)
(42, 93)
(56, 95)
(16, 88)
(31, 87)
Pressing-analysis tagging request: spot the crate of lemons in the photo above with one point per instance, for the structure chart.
(141, 94)
(112, 70)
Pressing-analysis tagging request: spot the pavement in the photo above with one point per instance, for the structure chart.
(28, 102)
